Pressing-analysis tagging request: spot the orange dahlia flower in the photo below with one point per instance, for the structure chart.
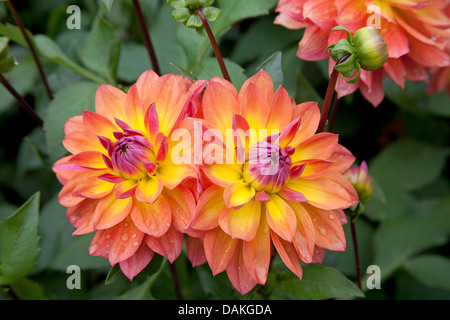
(272, 183)
(416, 32)
(120, 180)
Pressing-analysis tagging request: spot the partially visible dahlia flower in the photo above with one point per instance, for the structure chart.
(272, 183)
(120, 181)
(416, 32)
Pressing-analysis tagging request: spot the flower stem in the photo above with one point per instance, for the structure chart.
(146, 36)
(21, 100)
(329, 95)
(21, 26)
(176, 281)
(355, 248)
(214, 45)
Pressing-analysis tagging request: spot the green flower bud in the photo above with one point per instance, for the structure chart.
(186, 12)
(181, 15)
(372, 49)
(211, 13)
(365, 50)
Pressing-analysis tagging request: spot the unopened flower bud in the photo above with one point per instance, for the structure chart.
(361, 180)
(365, 50)
(186, 12)
(371, 48)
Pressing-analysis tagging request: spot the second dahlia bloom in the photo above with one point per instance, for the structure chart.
(416, 33)
(120, 181)
(272, 183)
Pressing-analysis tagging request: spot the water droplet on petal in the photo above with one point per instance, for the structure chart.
(322, 230)
(133, 235)
(125, 237)
(108, 236)
(135, 243)
(125, 224)
(331, 216)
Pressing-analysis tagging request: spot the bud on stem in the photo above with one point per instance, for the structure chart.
(367, 50)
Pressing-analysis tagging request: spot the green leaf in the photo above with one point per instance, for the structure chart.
(432, 270)
(4, 41)
(26, 289)
(76, 253)
(7, 64)
(68, 102)
(108, 4)
(397, 239)
(50, 49)
(142, 291)
(306, 91)
(401, 167)
(22, 77)
(102, 49)
(15, 34)
(208, 68)
(318, 283)
(272, 66)
(185, 73)
(19, 241)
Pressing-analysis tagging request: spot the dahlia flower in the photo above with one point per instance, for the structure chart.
(416, 32)
(272, 183)
(120, 181)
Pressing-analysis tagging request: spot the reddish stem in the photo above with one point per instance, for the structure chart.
(214, 45)
(329, 95)
(30, 45)
(355, 247)
(146, 36)
(21, 100)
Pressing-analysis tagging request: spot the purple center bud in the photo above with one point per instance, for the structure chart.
(130, 153)
(268, 166)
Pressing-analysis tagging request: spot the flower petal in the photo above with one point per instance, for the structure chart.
(287, 253)
(126, 241)
(304, 238)
(241, 223)
(152, 219)
(281, 217)
(238, 194)
(219, 105)
(182, 204)
(320, 146)
(110, 211)
(238, 274)
(110, 102)
(89, 159)
(323, 192)
(209, 206)
(223, 174)
(137, 262)
(172, 174)
(280, 113)
(329, 233)
(257, 252)
(313, 44)
(310, 116)
(195, 251)
(98, 125)
(168, 245)
(219, 249)
(93, 188)
(149, 189)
